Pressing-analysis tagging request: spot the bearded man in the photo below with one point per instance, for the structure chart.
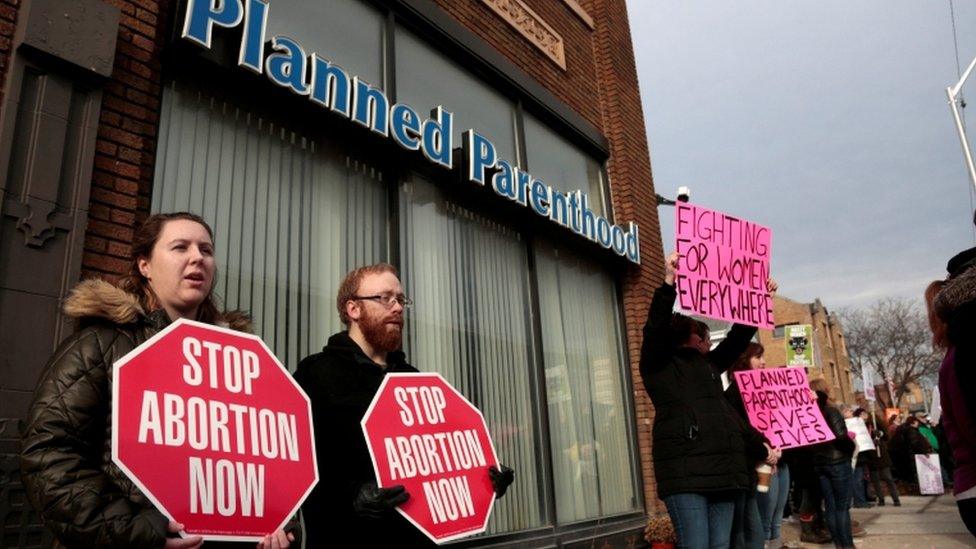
(346, 507)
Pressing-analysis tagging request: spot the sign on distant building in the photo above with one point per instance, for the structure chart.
(799, 345)
(723, 266)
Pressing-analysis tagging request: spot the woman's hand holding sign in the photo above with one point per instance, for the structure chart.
(191, 542)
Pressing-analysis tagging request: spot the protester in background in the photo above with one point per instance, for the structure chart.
(880, 436)
(66, 461)
(925, 428)
(699, 448)
(945, 454)
(954, 310)
(341, 381)
(767, 506)
(832, 462)
(905, 445)
(866, 462)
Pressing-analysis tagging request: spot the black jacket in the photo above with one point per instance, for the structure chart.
(754, 439)
(66, 458)
(341, 382)
(698, 440)
(840, 449)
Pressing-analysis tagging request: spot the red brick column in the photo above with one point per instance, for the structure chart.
(8, 24)
(126, 144)
(632, 192)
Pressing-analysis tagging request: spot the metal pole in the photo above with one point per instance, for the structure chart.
(953, 92)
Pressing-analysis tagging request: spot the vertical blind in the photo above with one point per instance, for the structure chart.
(588, 418)
(290, 217)
(468, 278)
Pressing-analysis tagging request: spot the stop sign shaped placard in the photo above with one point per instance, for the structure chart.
(214, 430)
(422, 433)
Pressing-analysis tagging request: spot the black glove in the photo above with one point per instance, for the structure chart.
(501, 478)
(375, 502)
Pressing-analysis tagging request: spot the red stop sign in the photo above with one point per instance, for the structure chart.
(422, 433)
(214, 430)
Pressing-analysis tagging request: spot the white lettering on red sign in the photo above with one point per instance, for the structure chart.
(239, 370)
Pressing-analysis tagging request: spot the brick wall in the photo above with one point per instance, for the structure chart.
(632, 193)
(126, 143)
(8, 24)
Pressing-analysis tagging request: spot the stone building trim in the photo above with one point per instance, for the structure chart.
(517, 14)
(576, 8)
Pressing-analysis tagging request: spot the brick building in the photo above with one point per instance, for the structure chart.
(281, 137)
(830, 357)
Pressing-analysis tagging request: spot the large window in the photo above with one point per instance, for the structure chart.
(589, 422)
(348, 33)
(561, 164)
(426, 79)
(290, 217)
(468, 277)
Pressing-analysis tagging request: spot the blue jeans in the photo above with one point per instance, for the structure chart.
(747, 530)
(860, 487)
(702, 520)
(835, 481)
(772, 503)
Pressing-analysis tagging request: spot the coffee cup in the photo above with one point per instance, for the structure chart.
(765, 472)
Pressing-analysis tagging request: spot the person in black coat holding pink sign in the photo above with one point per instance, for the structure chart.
(699, 442)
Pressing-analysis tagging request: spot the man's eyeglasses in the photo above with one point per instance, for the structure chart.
(387, 300)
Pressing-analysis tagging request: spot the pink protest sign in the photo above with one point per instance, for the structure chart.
(723, 267)
(779, 403)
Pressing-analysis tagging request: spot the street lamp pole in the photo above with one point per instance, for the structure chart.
(954, 104)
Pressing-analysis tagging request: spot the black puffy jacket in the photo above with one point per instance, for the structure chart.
(698, 439)
(840, 449)
(66, 454)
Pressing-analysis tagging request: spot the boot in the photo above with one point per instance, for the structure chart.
(809, 534)
(881, 502)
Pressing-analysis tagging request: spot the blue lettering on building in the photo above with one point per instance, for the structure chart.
(288, 65)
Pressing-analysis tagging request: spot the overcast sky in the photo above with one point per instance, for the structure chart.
(827, 121)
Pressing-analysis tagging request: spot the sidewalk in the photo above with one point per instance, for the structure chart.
(921, 522)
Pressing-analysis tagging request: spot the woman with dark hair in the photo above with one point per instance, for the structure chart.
(880, 436)
(866, 463)
(767, 507)
(66, 456)
(952, 316)
(832, 462)
(700, 446)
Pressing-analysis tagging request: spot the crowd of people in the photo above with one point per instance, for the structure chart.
(706, 454)
(723, 483)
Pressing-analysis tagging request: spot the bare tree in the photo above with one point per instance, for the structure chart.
(892, 338)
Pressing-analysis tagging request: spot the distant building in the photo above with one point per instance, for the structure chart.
(830, 357)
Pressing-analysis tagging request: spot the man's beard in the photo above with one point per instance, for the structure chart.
(381, 336)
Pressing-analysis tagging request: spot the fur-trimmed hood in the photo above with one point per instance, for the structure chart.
(956, 292)
(96, 299)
